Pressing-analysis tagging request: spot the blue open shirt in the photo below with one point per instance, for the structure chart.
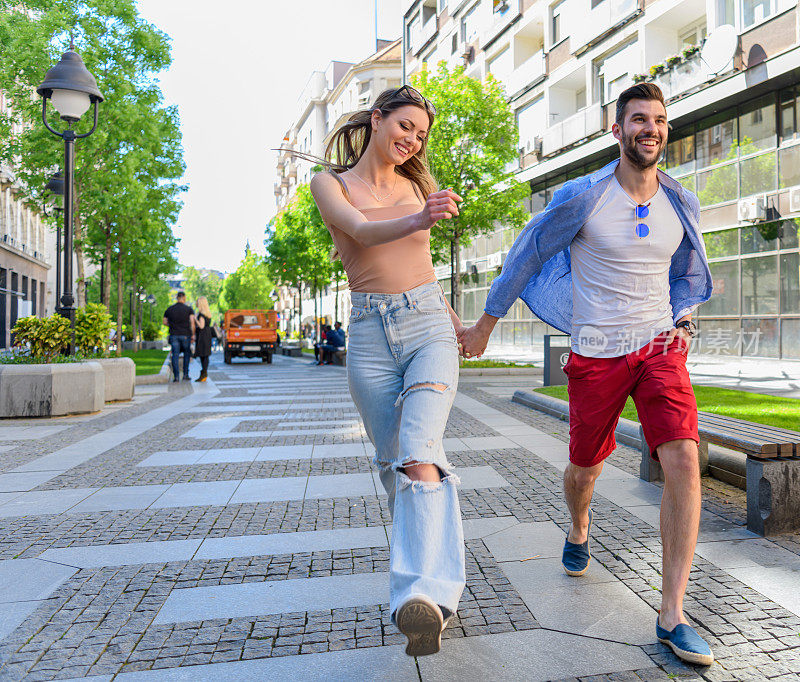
(537, 268)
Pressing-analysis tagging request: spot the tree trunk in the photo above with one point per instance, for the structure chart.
(106, 283)
(300, 310)
(134, 298)
(316, 312)
(141, 315)
(336, 299)
(119, 303)
(455, 274)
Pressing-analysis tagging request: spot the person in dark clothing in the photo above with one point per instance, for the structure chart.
(334, 340)
(202, 346)
(319, 344)
(179, 317)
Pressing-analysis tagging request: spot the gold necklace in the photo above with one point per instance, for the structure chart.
(377, 198)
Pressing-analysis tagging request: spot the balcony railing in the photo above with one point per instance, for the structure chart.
(421, 37)
(573, 129)
(682, 78)
(530, 72)
(499, 22)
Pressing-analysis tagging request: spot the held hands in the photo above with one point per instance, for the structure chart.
(472, 341)
(439, 206)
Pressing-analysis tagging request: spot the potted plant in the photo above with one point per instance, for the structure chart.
(674, 60)
(93, 327)
(640, 77)
(690, 50)
(657, 69)
(37, 380)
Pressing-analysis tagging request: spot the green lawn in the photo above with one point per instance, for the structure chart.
(493, 363)
(308, 350)
(755, 407)
(147, 361)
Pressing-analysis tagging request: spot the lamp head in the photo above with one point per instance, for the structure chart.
(70, 86)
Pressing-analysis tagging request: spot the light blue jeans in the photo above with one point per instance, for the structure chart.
(402, 366)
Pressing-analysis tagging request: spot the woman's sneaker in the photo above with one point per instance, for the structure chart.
(420, 620)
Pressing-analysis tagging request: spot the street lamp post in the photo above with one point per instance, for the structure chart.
(152, 301)
(55, 185)
(73, 90)
(102, 280)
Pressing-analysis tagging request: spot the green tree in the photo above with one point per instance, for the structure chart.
(299, 247)
(197, 284)
(134, 155)
(471, 144)
(249, 287)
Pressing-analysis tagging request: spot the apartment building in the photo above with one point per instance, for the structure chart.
(26, 278)
(730, 71)
(327, 100)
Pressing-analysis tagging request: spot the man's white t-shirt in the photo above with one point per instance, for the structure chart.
(620, 282)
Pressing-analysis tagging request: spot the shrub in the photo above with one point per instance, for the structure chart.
(151, 331)
(45, 337)
(93, 326)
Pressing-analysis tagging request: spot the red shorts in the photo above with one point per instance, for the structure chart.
(657, 379)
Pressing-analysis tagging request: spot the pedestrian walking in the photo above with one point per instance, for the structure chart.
(617, 261)
(205, 333)
(179, 317)
(379, 202)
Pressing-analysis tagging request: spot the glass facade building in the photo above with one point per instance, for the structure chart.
(751, 150)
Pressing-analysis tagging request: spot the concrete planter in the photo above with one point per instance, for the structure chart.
(51, 390)
(120, 378)
(144, 345)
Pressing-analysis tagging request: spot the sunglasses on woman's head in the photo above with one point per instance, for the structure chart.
(642, 211)
(416, 96)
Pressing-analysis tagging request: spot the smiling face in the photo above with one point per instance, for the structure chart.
(643, 133)
(399, 134)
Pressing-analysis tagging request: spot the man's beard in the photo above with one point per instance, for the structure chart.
(633, 154)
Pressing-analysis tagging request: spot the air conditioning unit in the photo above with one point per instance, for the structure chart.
(752, 209)
(794, 199)
(468, 56)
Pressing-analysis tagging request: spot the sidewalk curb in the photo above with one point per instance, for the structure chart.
(499, 371)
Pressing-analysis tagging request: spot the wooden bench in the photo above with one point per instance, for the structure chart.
(773, 468)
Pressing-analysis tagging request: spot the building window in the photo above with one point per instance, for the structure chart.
(454, 44)
(442, 6)
(469, 24)
(555, 24)
(726, 12)
(499, 6)
(754, 11)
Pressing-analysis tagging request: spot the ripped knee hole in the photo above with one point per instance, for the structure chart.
(422, 386)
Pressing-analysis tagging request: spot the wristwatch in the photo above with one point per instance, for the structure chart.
(689, 326)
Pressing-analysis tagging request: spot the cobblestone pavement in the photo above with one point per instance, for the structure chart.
(235, 530)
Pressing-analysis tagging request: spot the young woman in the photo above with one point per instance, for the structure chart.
(202, 346)
(379, 202)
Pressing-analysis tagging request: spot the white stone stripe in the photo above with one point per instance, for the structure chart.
(252, 490)
(379, 664)
(274, 596)
(84, 450)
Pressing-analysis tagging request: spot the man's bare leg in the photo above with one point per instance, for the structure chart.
(680, 521)
(578, 489)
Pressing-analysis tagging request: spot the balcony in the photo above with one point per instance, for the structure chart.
(680, 79)
(500, 21)
(529, 73)
(573, 129)
(597, 23)
(424, 35)
(291, 171)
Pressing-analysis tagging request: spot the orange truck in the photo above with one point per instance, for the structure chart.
(250, 334)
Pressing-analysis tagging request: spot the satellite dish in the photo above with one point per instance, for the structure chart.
(719, 48)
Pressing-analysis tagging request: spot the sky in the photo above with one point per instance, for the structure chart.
(238, 68)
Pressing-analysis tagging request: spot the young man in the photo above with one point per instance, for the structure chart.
(179, 317)
(617, 261)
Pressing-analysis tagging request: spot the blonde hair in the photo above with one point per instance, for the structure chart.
(202, 306)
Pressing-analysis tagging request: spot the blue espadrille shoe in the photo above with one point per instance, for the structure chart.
(575, 558)
(686, 644)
